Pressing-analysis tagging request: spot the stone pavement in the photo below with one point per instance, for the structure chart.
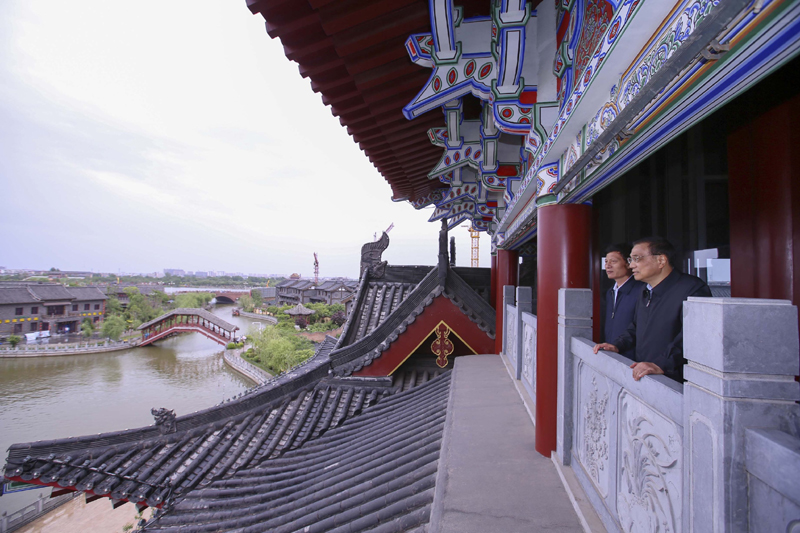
(491, 479)
(76, 516)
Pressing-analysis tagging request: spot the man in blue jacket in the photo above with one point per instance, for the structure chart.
(657, 328)
(622, 297)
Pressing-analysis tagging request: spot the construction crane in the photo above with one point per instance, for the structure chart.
(476, 241)
(375, 235)
(475, 238)
(316, 270)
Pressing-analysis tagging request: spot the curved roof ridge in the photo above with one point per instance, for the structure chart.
(467, 300)
(350, 358)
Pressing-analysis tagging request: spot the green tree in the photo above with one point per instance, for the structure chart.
(279, 349)
(139, 308)
(13, 340)
(113, 327)
(193, 300)
(257, 299)
(113, 307)
(87, 327)
(247, 303)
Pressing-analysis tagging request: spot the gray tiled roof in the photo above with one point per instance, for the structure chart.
(377, 470)
(16, 295)
(312, 450)
(276, 451)
(50, 292)
(359, 345)
(87, 293)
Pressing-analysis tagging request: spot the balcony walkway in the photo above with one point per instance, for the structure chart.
(490, 476)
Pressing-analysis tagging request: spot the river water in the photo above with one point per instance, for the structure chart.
(72, 395)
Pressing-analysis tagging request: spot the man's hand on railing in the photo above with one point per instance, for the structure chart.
(605, 346)
(643, 369)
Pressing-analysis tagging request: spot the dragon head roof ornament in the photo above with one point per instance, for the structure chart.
(371, 257)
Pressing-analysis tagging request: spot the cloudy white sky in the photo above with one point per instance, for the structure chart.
(174, 134)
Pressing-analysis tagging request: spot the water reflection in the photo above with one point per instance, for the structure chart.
(54, 397)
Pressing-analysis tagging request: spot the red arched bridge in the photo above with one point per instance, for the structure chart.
(188, 320)
(229, 297)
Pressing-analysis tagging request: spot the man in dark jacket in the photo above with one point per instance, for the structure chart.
(622, 297)
(657, 328)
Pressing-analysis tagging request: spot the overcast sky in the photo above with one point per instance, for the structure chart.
(174, 134)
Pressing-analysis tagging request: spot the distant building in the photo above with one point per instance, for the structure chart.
(269, 295)
(31, 307)
(174, 272)
(304, 291)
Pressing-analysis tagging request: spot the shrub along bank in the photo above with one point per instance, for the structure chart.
(277, 349)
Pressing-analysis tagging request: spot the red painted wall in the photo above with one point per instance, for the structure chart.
(440, 309)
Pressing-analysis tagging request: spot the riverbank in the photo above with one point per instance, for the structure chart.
(54, 350)
(266, 318)
(234, 359)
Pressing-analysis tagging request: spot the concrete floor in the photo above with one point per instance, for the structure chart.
(491, 479)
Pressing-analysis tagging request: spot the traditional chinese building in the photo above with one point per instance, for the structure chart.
(32, 307)
(558, 128)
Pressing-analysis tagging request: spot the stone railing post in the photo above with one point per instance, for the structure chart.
(524, 305)
(742, 358)
(508, 299)
(574, 320)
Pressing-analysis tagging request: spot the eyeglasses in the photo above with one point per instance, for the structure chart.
(637, 258)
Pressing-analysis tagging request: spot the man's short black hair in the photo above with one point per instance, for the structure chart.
(659, 246)
(623, 248)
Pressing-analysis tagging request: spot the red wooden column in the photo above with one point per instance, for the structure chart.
(493, 282)
(507, 266)
(563, 261)
(764, 193)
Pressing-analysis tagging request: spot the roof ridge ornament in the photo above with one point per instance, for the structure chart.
(165, 420)
(371, 254)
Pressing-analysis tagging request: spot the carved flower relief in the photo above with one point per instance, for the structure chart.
(511, 342)
(649, 484)
(529, 355)
(595, 433)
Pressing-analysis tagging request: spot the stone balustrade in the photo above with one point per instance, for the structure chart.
(719, 452)
(519, 339)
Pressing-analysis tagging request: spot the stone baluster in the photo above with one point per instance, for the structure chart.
(574, 320)
(524, 305)
(508, 299)
(742, 358)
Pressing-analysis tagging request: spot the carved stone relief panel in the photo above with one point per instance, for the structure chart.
(649, 477)
(511, 331)
(529, 356)
(593, 422)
